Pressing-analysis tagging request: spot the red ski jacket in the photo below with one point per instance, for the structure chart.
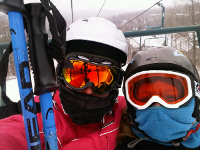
(95, 136)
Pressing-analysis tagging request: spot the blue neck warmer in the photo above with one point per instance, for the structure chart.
(165, 124)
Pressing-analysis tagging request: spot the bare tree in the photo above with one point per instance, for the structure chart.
(185, 13)
(131, 49)
(190, 8)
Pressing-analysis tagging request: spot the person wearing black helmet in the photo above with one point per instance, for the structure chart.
(161, 87)
(86, 106)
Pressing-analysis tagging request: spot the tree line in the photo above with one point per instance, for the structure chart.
(182, 13)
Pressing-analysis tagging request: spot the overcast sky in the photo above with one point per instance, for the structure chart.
(109, 4)
(117, 5)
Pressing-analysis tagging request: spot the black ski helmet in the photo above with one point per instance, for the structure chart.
(161, 58)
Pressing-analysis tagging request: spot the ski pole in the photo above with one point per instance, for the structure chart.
(14, 9)
(43, 70)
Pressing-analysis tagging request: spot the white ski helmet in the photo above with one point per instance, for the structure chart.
(99, 30)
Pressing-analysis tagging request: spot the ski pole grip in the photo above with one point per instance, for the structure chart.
(41, 61)
(12, 5)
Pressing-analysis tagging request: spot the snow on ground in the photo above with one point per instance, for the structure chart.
(12, 89)
(150, 41)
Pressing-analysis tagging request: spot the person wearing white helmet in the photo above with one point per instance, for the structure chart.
(95, 52)
(86, 106)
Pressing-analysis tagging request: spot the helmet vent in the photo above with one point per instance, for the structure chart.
(86, 20)
(151, 58)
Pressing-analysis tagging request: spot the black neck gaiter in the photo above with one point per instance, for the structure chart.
(84, 108)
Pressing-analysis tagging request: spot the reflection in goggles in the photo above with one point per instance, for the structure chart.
(169, 89)
(83, 72)
(172, 89)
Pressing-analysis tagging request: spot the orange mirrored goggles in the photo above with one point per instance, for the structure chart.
(170, 89)
(83, 74)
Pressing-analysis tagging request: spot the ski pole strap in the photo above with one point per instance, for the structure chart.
(41, 61)
(9, 110)
(43, 70)
(58, 30)
(14, 108)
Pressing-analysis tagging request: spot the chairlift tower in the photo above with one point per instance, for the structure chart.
(158, 26)
(163, 17)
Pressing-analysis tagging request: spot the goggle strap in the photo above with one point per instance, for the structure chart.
(197, 89)
(119, 82)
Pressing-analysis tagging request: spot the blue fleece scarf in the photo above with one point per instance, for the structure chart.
(165, 124)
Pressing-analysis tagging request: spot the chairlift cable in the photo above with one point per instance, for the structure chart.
(135, 41)
(140, 14)
(72, 11)
(101, 8)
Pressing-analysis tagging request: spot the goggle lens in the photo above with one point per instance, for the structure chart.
(103, 77)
